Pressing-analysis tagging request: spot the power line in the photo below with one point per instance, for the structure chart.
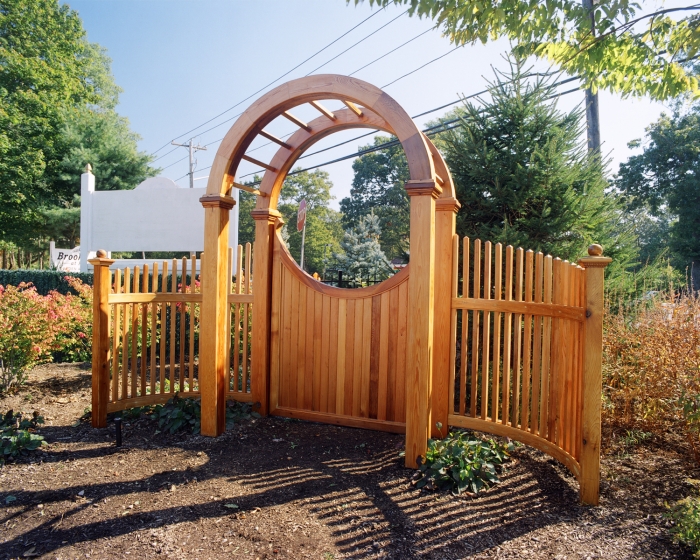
(421, 67)
(430, 131)
(391, 51)
(360, 41)
(272, 82)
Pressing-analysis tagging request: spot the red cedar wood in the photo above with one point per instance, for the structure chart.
(134, 335)
(537, 352)
(496, 344)
(527, 351)
(154, 332)
(517, 339)
(476, 294)
(485, 343)
(507, 339)
(465, 327)
(126, 328)
(100, 341)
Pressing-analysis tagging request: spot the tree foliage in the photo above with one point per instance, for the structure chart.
(323, 224)
(57, 113)
(631, 51)
(665, 177)
(378, 187)
(524, 178)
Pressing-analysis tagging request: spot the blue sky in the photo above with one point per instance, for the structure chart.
(182, 62)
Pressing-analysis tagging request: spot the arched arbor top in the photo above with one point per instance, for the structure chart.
(367, 107)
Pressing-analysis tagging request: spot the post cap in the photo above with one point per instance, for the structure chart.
(595, 250)
(88, 168)
(101, 253)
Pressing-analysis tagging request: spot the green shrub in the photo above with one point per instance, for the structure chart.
(462, 461)
(686, 523)
(17, 435)
(180, 414)
(45, 281)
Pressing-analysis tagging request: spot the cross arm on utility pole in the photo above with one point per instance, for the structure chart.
(192, 149)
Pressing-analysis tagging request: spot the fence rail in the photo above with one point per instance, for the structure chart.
(517, 332)
(146, 332)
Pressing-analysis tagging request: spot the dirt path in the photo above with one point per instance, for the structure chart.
(277, 488)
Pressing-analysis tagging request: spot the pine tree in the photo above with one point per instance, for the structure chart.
(524, 178)
(362, 255)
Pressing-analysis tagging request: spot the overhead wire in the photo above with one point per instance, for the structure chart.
(274, 81)
(429, 131)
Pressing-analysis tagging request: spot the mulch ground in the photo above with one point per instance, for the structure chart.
(276, 488)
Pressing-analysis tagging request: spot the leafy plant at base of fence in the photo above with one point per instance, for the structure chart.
(17, 435)
(461, 462)
(181, 414)
(686, 523)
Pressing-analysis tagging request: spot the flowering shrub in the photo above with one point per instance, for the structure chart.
(34, 329)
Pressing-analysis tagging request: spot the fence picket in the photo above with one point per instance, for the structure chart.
(496, 344)
(517, 335)
(476, 286)
(126, 326)
(537, 352)
(192, 307)
(555, 381)
(465, 329)
(507, 339)
(144, 332)
(527, 346)
(134, 334)
(246, 314)
(163, 327)
(546, 348)
(453, 333)
(154, 331)
(485, 344)
(116, 334)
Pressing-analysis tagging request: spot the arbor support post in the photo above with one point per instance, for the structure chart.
(214, 336)
(445, 224)
(265, 223)
(421, 302)
(101, 287)
(590, 435)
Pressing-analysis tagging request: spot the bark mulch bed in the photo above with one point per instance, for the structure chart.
(276, 488)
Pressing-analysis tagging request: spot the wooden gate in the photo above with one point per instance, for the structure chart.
(337, 355)
(504, 343)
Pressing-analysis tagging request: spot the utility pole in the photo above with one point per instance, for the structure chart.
(592, 115)
(192, 149)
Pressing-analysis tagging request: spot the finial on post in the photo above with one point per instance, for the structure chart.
(101, 253)
(595, 250)
(88, 168)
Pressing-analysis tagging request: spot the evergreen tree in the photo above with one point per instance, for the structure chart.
(362, 255)
(378, 188)
(524, 178)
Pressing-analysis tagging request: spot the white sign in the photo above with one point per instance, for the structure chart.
(65, 260)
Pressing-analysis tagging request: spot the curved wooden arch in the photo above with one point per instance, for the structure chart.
(309, 89)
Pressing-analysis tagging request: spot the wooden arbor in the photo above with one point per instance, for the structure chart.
(432, 223)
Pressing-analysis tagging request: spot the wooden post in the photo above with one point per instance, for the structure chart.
(265, 221)
(213, 336)
(100, 338)
(420, 318)
(445, 222)
(595, 265)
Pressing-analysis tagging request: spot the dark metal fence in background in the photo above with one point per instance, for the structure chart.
(342, 279)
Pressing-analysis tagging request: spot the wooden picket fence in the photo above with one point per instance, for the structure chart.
(517, 329)
(147, 327)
